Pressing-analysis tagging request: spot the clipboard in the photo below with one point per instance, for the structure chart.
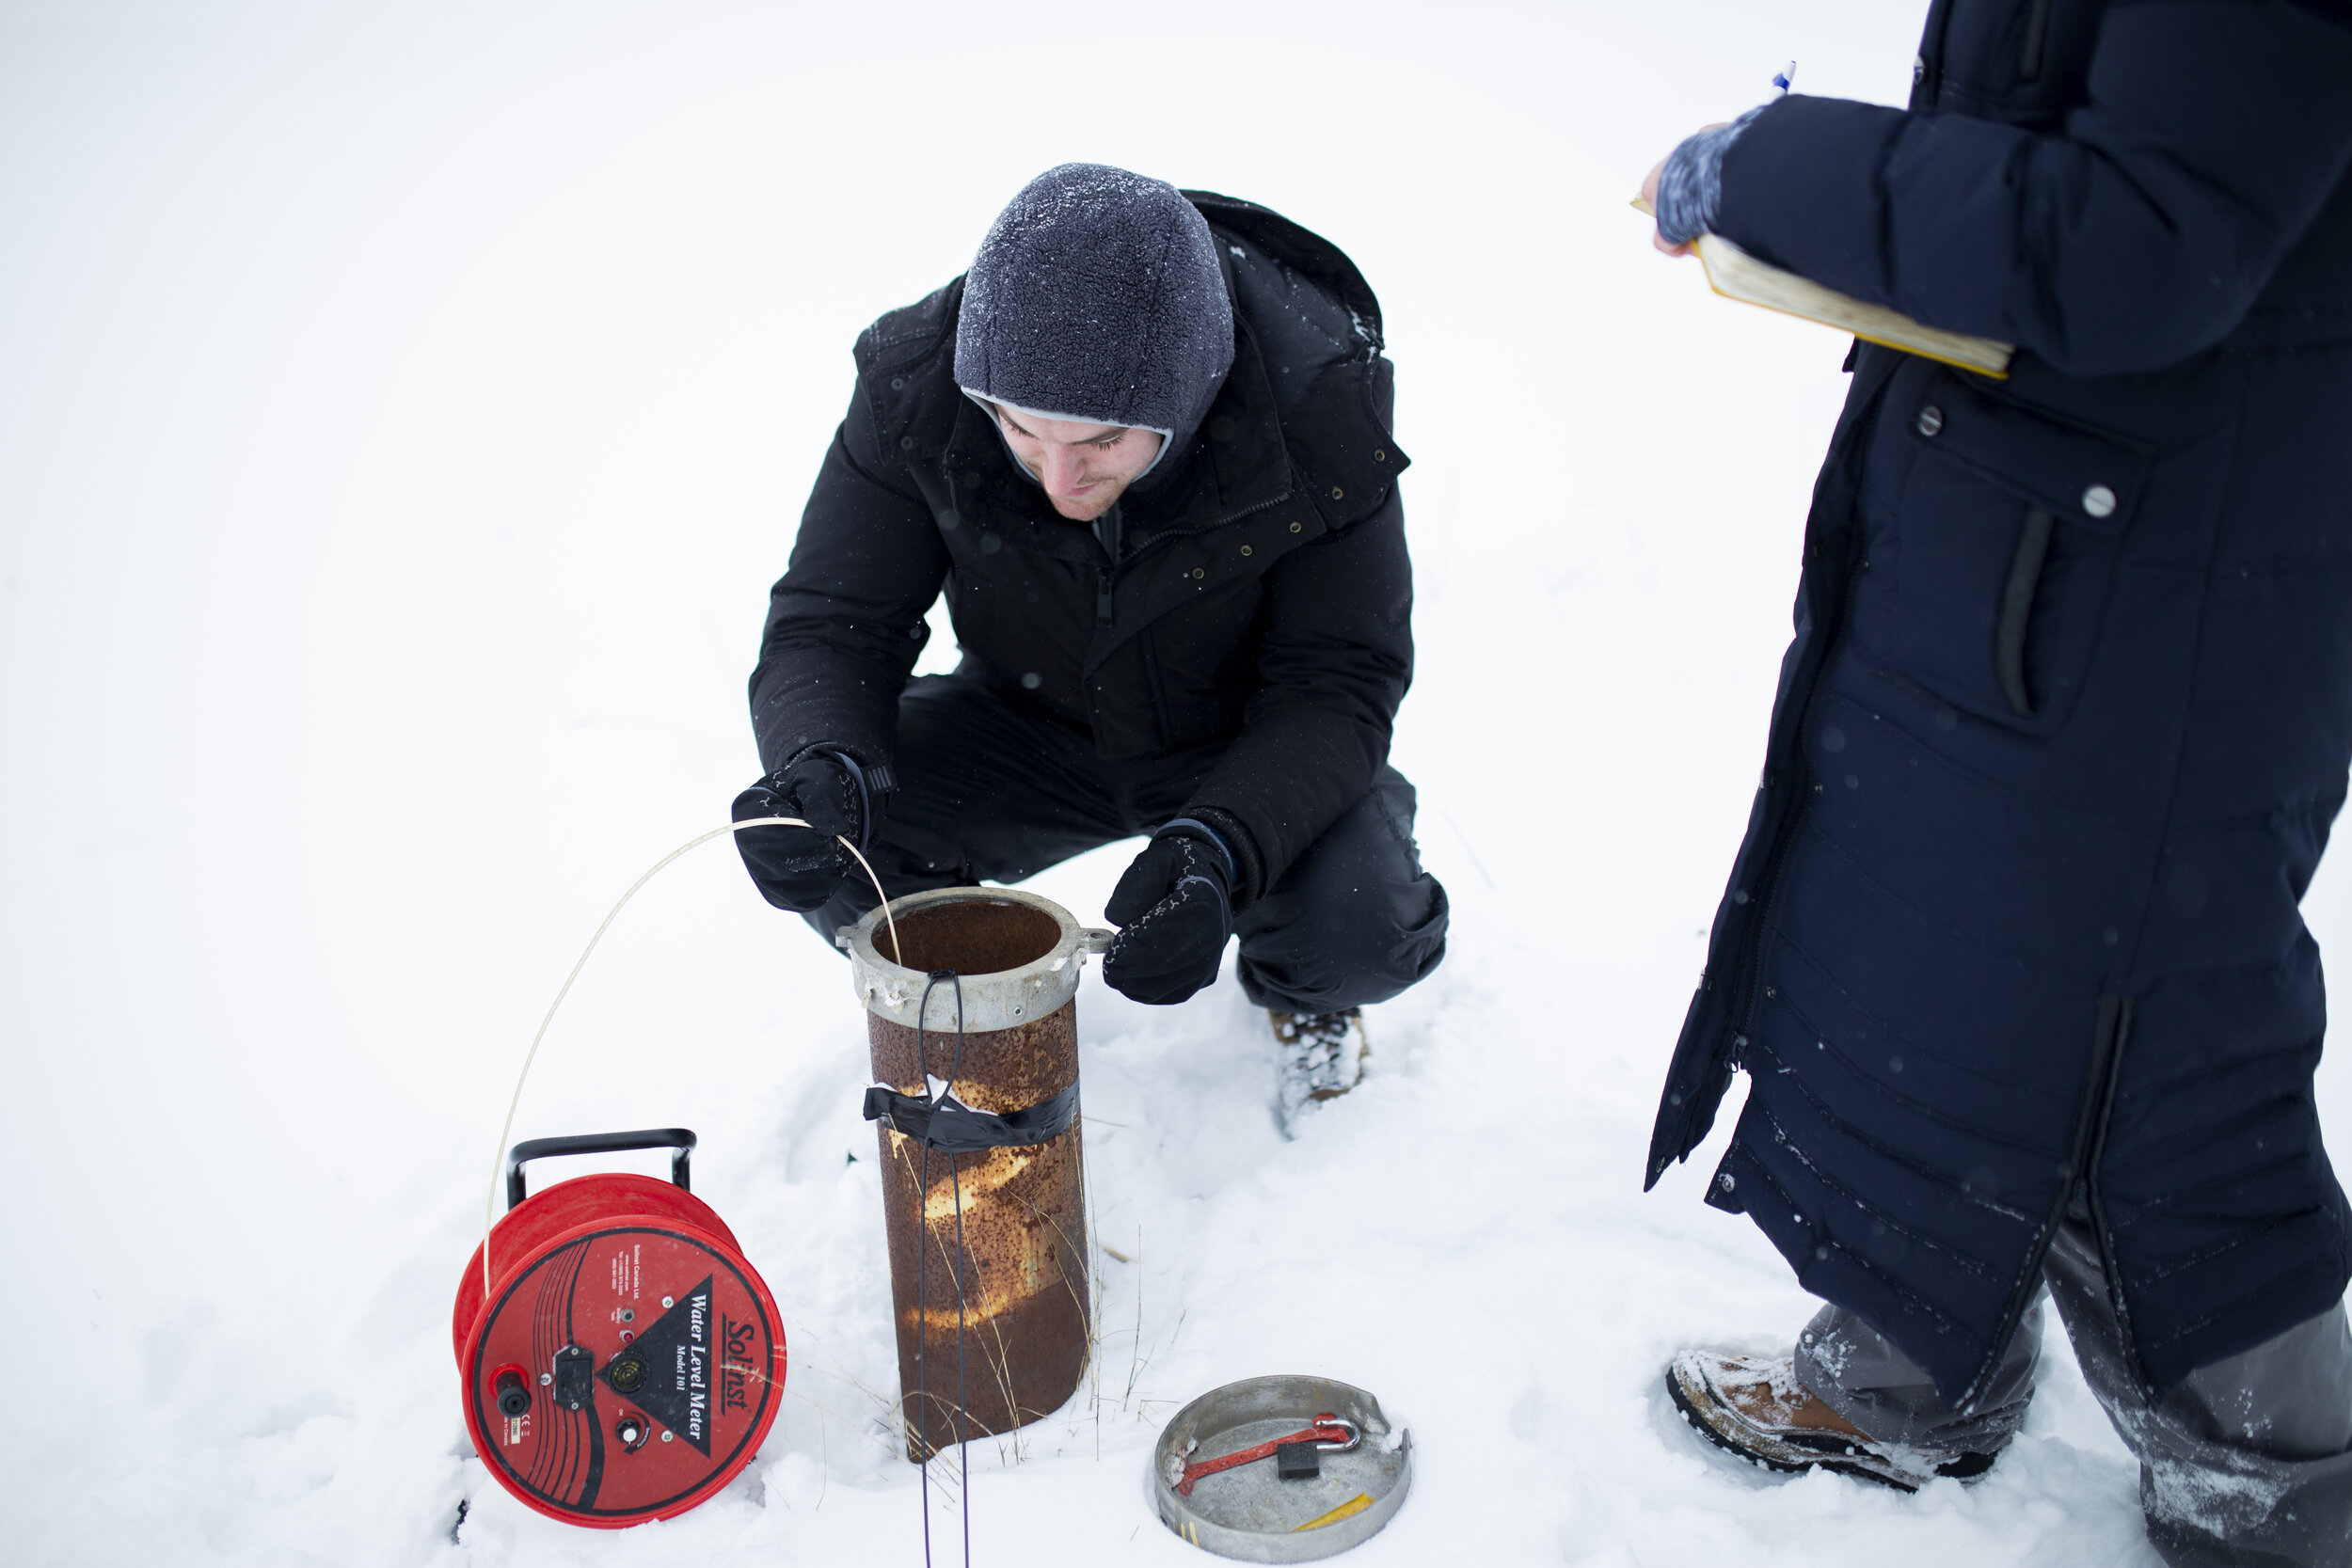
(1734, 274)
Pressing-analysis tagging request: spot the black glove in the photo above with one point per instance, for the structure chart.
(1175, 906)
(799, 868)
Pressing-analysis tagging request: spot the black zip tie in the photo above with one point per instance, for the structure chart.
(948, 1124)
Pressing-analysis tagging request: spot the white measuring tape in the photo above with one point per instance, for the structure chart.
(498, 1160)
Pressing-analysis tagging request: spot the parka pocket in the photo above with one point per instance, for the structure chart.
(2004, 544)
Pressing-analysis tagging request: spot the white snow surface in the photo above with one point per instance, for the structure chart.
(403, 409)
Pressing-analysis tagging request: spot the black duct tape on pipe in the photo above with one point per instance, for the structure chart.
(948, 1124)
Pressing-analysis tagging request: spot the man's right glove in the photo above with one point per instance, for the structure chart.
(799, 868)
(1175, 906)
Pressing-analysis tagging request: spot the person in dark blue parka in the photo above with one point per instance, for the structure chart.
(2011, 952)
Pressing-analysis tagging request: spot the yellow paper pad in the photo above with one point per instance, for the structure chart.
(1734, 274)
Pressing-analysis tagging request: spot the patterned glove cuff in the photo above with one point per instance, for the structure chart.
(873, 783)
(1244, 870)
(1691, 186)
(1192, 828)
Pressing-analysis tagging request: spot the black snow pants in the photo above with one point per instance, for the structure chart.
(993, 789)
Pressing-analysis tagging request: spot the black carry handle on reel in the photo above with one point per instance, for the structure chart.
(677, 1139)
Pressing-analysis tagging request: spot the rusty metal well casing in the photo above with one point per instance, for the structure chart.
(1026, 1302)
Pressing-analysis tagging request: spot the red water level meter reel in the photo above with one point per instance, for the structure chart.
(626, 1361)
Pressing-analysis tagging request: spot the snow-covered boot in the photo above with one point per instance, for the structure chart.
(1317, 1056)
(1756, 1408)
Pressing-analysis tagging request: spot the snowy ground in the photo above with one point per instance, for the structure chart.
(403, 413)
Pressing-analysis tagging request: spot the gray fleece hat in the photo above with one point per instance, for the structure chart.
(1096, 296)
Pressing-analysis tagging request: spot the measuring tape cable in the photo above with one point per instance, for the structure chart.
(497, 1159)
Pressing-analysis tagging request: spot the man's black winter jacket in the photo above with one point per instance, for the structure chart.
(1262, 599)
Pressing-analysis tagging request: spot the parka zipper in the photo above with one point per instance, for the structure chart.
(2109, 1036)
(1145, 541)
(2092, 1159)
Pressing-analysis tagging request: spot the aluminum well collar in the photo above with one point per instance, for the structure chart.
(995, 999)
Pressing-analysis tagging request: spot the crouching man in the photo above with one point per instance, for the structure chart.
(1142, 445)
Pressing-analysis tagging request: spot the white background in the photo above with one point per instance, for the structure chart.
(403, 409)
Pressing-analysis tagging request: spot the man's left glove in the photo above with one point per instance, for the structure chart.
(799, 868)
(1175, 906)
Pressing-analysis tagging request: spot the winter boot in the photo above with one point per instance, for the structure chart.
(1317, 1056)
(1756, 1408)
